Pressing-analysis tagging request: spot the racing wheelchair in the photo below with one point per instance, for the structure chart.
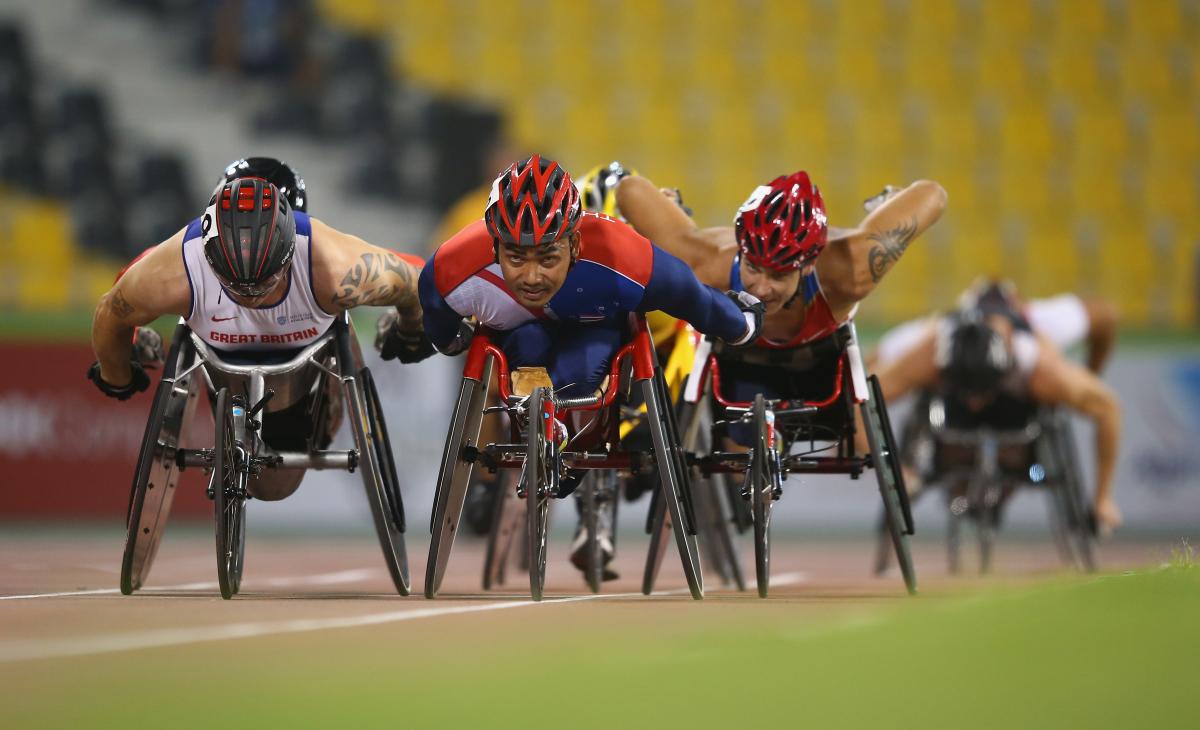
(785, 435)
(243, 397)
(980, 459)
(535, 451)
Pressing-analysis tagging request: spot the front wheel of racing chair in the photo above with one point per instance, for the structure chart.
(886, 463)
(156, 474)
(228, 487)
(763, 485)
(455, 474)
(375, 458)
(539, 483)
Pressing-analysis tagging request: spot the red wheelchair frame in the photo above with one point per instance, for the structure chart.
(596, 445)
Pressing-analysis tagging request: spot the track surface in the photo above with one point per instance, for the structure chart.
(60, 598)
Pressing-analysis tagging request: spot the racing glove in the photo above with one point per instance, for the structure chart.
(148, 348)
(137, 383)
(753, 311)
(874, 202)
(462, 340)
(395, 342)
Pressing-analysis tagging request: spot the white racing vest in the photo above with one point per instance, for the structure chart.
(294, 322)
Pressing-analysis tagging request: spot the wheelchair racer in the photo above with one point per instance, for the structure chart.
(1065, 319)
(557, 283)
(256, 279)
(987, 356)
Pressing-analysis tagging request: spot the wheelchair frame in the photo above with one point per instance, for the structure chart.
(235, 458)
(779, 424)
(1049, 438)
(595, 446)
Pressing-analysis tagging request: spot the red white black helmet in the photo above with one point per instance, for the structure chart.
(782, 226)
(249, 235)
(533, 203)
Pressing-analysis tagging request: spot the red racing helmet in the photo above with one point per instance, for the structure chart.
(533, 203)
(782, 226)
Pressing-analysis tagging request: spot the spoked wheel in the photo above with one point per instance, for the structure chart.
(156, 475)
(673, 478)
(378, 467)
(540, 482)
(761, 483)
(505, 521)
(885, 464)
(1078, 517)
(229, 498)
(453, 478)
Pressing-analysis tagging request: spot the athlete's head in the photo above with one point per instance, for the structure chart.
(533, 216)
(780, 229)
(249, 237)
(598, 188)
(277, 172)
(974, 357)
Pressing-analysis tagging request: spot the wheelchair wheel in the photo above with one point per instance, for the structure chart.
(505, 518)
(453, 478)
(539, 478)
(378, 467)
(673, 479)
(760, 486)
(229, 499)
(883, 446)
(714, 519)
(1078, 517)
(156, 475)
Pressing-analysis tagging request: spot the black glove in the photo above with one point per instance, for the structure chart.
(407, 345)
(139, 382)
(148, 348)
(462, 340)
(753, 311)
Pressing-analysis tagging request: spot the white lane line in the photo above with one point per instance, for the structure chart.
(341, 576)
(14, 651)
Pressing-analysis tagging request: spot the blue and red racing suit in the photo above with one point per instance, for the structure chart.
(576, 333)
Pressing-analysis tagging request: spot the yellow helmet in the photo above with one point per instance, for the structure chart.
(598, 188)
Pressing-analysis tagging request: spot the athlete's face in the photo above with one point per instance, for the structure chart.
(773, 288)
(535, 274)
(267, 293)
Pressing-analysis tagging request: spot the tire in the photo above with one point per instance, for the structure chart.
(453, 478)
(156, 475)
(882, 444)
(539, 481)
(229, 499)
(378, 467)
(672, 470)
(714, 519)
(761, 487)
(1079, 517)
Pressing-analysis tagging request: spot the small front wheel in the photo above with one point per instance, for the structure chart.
(229, 498)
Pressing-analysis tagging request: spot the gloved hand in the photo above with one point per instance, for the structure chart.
(874, 202)
(462, 340)
(394, 341)
(753, 310)
(148, 348)
(139, 382)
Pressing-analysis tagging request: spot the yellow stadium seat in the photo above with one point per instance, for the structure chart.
(1074, 73)
(1153, 21)
(1147, 72)
(1099, 137)
(1081, 20)
(1012, 20)
(937, 20)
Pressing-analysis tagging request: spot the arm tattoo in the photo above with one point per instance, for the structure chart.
(120, 306)
(888, 248)
(373, 281)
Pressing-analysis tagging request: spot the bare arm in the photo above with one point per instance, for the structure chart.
(348, 272)
(153, 286)
(852, 266)
(1057, 380)
(709, 252)
(1102, 331)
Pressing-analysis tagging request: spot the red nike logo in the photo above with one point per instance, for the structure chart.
(223, 319)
